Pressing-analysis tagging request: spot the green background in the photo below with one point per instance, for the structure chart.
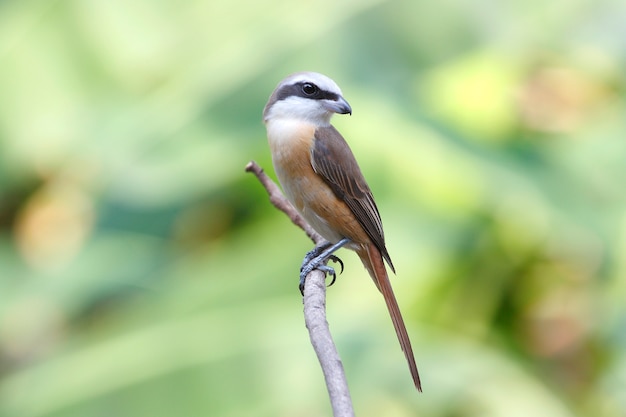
(143, 273)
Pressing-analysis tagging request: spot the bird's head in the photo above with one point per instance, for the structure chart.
(307, 96)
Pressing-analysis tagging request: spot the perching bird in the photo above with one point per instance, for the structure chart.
(321, 178)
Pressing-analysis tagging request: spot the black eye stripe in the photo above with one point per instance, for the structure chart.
(296, 90)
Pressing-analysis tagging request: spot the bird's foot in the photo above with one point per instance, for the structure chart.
(315, 252)
(317, 258)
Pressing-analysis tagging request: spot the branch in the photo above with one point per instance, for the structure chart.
(323, 344)
(314, 306)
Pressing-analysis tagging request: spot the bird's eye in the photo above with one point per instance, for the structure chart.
(309, 89)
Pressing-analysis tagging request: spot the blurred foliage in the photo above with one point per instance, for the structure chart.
(143, 273)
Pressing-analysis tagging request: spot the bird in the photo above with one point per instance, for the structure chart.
(321, 178)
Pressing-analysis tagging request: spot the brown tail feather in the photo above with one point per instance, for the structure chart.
(373, 261)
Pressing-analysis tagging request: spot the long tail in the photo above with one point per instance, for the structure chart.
(373, 261)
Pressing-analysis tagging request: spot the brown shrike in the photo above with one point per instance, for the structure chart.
(322, 179)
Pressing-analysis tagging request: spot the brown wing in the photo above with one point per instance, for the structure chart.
(333, 160)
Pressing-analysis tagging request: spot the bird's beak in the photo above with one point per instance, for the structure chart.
(340, 106)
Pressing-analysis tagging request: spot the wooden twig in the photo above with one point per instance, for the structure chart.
(323, 344)
(314, 306)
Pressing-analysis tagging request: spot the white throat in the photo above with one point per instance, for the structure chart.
(300, 109)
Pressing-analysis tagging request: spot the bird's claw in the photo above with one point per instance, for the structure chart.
(310, 263)
(317, 259)
(336, 260)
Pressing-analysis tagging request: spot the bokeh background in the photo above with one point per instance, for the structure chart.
(143, 273)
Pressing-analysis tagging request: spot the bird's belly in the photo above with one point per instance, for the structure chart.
(312, 197)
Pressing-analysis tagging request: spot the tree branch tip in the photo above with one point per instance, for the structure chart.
(252, 166)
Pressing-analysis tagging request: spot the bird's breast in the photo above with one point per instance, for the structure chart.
(290, 144)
